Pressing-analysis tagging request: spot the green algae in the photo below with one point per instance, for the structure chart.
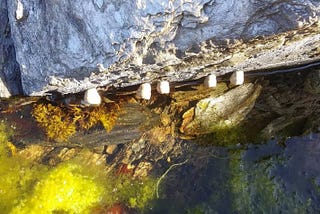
(17, 175)
(227, 136)
(135, 193)
(255, 190)
(70, 187)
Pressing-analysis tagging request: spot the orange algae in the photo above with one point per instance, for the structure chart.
(61, 122)
(106, 114)
(57, 123)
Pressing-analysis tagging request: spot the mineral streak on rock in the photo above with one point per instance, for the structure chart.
(148, 40)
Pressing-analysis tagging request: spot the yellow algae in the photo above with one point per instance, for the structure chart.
(70, 187)
(17, 174)
(12, 148)
(66, 189)
(106, 114)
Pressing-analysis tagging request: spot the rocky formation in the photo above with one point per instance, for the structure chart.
(59, 43)
(10, 83)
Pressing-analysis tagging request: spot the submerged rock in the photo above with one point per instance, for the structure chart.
(312, 82)
(224, 111)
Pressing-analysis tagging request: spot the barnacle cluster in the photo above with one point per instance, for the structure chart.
(60, 122)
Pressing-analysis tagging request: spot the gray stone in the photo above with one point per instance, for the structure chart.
(9, 69)
(59, 43)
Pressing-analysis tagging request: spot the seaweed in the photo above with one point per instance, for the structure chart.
(57, 123)
(70, 187)
(61, 122)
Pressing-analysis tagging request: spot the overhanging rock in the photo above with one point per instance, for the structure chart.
(59, 43)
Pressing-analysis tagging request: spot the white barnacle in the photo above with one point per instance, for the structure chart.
(91, 97)
(237, 78)
(210, 81)
(163, 87)
(144, 91)
(100, 67)
(19, 10)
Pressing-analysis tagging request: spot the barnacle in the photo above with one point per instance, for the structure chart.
(57, 123)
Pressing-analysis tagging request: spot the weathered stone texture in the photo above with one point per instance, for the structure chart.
(9, 68)
(59, 43)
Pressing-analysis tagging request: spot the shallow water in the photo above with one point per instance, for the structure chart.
(245, 175)
(267, 178)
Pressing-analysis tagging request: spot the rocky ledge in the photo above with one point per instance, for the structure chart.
(69, 46)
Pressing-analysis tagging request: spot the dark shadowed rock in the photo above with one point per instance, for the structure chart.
(59, 43)
(10, 83)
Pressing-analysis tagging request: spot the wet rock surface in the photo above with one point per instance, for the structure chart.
(227, 110)
(59, 43)
(151, 130)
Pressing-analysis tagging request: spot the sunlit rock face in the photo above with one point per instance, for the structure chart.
(59, 43)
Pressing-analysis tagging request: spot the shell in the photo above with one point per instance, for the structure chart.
(91, 97)
(210, 81)
(144, 91)
(163, 87)
(237, 78)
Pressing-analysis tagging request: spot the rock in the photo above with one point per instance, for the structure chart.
(143, 169)
(312, 82)
(59, 43)
(10, 83)
(111, 149)
(225, 111)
